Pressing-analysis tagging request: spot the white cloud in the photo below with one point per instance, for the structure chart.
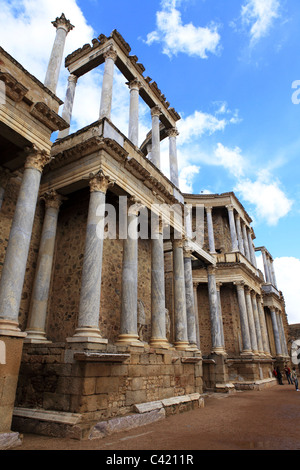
(197, 124)
(231, 159)
(287, 271)
(185, 38)
(259, 15)
(186, 178)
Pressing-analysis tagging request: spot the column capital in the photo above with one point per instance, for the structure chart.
(178, 242)
(73, 78)
(229, 207)
(173, 132)
(52, 199)
(196, 284)
(239, 284)
(211, 269)
(209, 209)
(62, 22)
(219, 285)
(155, 111)
(36, 159)
(111, 53)
(187, 251)
(100, 182)
(134, 84)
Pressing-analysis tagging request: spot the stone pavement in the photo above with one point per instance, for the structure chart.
(250, 420)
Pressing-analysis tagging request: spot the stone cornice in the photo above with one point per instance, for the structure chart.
(14, 89)
(44, 114)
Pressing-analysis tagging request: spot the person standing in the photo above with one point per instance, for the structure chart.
(295, 378)
(287, 371)
(279, 376)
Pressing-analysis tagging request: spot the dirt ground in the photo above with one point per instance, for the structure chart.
(249, 420)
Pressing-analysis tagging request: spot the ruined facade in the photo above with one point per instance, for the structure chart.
(119, 295)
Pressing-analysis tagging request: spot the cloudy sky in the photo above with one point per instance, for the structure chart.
(231, 69)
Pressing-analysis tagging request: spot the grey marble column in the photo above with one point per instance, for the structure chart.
(251, 323)
(155, 152)
(233, 234)
(246, 244)
(263, 325)
(239, 233)
(210, 229)
(174, 174)
(129, 329)
(219, 285)
(216, 334)
(281, 334)
(63, 27)
(257, 323)
(13, 272)
(189, 295)
(107, 84)
(266, 266)
(68, 105)
(276, 332)
(251, 249)
(247, 349)
(36, 329)
(158, 303)
(89, 307)
(180, 318)
(273, 273)
(195, 288)
(133, 129)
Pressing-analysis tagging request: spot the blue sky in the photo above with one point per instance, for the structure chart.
(227, 67)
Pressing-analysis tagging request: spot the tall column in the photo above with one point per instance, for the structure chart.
(181, 335)
(174, 175)
(246, 244)
(216, 335)
(128, 330)
(233, 234)
(210, 229)
(36, 329)
(273, 273)
(276, 332)
(189, 295)
(257, 323)
(13, 272)
(63, 27)
(195, 287)
(107, 84)
(89, 308)
(219, 284)
(251, 323)
(133, 130)
(239, 233)
(281, 334)
(243, 318)
(68, 105)
(155, 152)
(158, 303)
(251, 249)
(263, 325)
(266, 266)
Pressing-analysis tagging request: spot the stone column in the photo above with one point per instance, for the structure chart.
(276, 332)
(155, 152)
(36, 329)
(174, 175)
(158, 303)
(243, 318)
(107, 84)
(257, 323)
(251, 249)
(233, 234)
(13, 273)
(246, 244)
(68, 105)
(281, 333)
(189, 295)
(195, 287)
(180, 318)
(266, 266)
(210, 230)
(273, 273)
(128, 329)
(89, 308)
(219, 284)
(239, 233)
(216, 335)
(263, 325)
(133, 129)
(251, 323)
(63, 27)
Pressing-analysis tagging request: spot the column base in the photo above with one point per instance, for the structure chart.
(247, 352)
(161, 343)
(87, 335)
(219, 350)
(11, 328)
(129, 340)
(35, 336)
(181, 345)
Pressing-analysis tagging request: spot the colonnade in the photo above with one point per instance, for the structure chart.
(269, 270)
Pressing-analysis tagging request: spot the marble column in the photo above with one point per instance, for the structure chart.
(68, 105)
(107, 84)
(155, 152)
(257, 323)
(158, 303)
(273, 273)
(216, 334)
(129, 329)
(63, 27)
(195, 288)
(36, 328)
(266, 266)
(233, 234)
(246, 244)
(189, 295)
(173, 160)
(247, 349)
(180, 318)
(276, 332)
(239, 233)
(251, 323)
(281, 333)
(210, 230)
(13, 272)
(133, 128)
(219, 285)
(251, 249)
(263, 325)
(89, 307)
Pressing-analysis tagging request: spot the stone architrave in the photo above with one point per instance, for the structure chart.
(243, 318)
(189, 295)
(276, 332)
(36, 329)
(107, 83)
(232, 226)
(89, 308)
(181, 335)
(155, 152)
(133, 127)
(68, 105)
(63, 27)
(210, 229)
(216, 334)
(173, 160)
(14, 267)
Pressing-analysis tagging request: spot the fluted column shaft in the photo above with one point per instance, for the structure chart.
(133, 129)
(195, 287)
(210, 230)
(233, 234)
(246, 243)
(266, 266)
(68, 105)
(251, 321)
(219, 284)
(13, 272)
(107, 84)
(239, 234)
(216, 334)
(155, 152)
(263, 325)
(173, 160)
(251, 249)
(189, 295)
(276, 333)
(257, 323)
(181, 335)
(243, 319)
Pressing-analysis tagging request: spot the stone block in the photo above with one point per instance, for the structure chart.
(107, 384)
(135, 397)
(146, 407)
